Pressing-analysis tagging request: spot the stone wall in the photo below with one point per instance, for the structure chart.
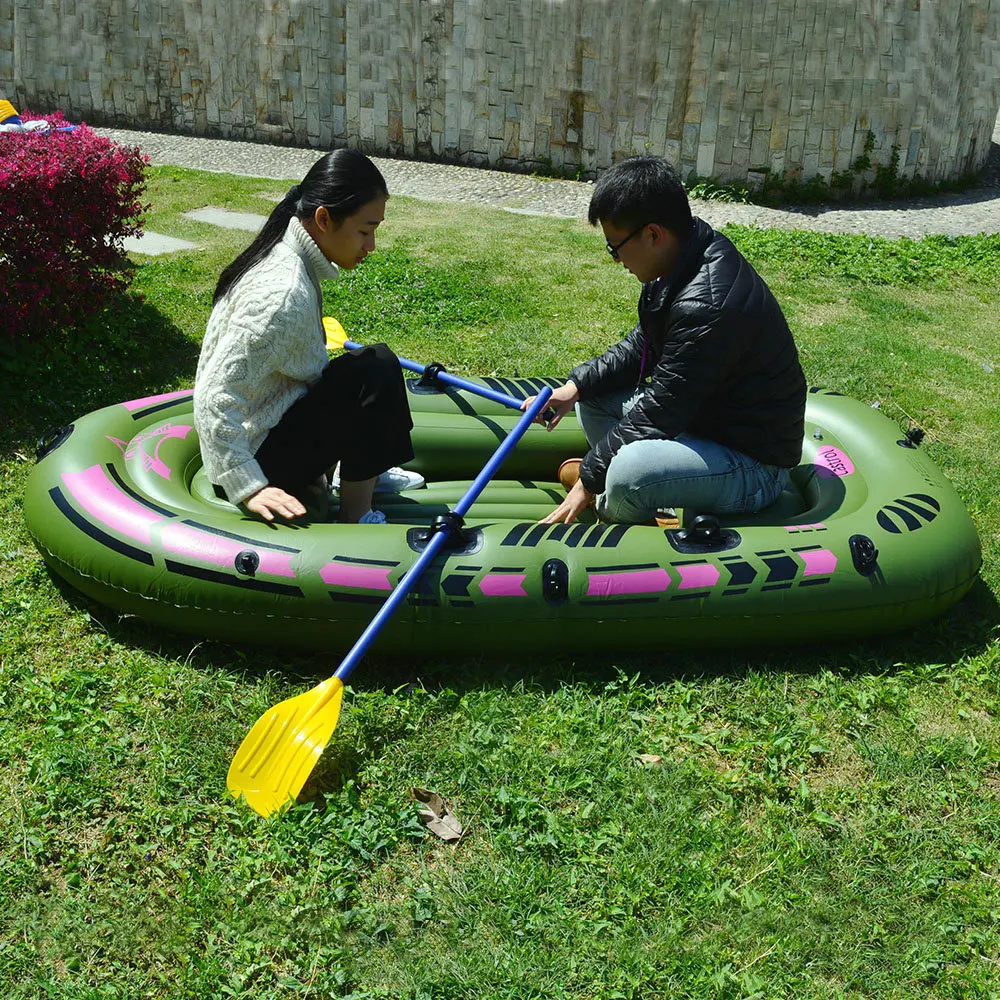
(724, 88)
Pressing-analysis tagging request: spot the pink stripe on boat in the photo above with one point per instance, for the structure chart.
(102, 499)
(819, 562)
(139, 404)
(700, 575)
(503, 585)
(345, 575)
(191, 543)
(640, 581)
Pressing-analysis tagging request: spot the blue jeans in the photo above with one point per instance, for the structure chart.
(687, 471)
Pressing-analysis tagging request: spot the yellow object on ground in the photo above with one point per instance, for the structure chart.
(278, 754)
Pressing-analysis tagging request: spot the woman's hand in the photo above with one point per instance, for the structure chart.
(577, 501)
(273, 500)
(561, 402)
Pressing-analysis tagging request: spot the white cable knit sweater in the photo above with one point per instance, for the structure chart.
(263, 347)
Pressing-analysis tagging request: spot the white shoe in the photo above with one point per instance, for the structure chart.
(394, 480)
(397, 480)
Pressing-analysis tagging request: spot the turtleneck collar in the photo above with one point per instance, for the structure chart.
(320, 269)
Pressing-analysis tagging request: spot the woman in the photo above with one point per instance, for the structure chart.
(273, 414)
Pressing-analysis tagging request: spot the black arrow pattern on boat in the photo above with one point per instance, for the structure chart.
(911, 512)
(741, 572)
(457, 585)
(588, 536)
(782, 569)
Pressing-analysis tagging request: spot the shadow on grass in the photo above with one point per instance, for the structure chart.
(966, 631)
(129, 350)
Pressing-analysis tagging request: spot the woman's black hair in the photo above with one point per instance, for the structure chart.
(638, 190)
(343, 181)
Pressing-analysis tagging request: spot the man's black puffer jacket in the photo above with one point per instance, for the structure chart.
(719, 362)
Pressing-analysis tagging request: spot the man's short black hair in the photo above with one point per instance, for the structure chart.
(638, 190)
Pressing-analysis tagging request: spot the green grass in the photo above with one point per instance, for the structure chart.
(820, 823)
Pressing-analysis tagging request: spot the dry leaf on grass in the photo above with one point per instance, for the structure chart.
(435, 814)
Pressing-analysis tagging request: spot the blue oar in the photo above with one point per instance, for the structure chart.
(336, 337)
(280, 751)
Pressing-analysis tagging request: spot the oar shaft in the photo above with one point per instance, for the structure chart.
(440, 537)
(388, 609)
(448, 379)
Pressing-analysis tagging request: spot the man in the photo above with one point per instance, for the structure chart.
(702, 405)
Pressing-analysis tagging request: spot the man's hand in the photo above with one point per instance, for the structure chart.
(577, 501)
(273, 500)
(561, 402)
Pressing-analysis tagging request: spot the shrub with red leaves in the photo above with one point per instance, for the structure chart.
(67, 201)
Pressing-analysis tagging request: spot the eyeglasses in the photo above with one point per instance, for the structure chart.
(613, 248)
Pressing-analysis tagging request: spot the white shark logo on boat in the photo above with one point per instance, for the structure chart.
(134, 449)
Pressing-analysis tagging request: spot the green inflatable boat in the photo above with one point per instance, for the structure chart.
(869, 538)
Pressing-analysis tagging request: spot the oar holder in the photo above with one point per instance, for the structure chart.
(453, 525)
(429, 380)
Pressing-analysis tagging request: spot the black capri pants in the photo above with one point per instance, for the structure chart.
(356, 414)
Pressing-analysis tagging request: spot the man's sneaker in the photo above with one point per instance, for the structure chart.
(394, 480)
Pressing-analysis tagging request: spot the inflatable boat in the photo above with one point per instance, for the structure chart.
(869, 538)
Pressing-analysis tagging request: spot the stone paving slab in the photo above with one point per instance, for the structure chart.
(222, 217)
(155, 244)
(970, 212)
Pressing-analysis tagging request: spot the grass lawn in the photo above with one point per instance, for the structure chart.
(807, 823)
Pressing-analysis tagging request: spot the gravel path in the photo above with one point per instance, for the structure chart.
(968, 213)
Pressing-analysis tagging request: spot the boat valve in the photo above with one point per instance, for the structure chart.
(864, 554)
(246, 562)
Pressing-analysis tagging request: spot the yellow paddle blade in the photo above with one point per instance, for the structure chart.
(277, 755)
(336, 335)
